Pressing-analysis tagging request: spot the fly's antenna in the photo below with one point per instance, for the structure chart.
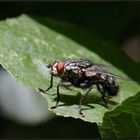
(48, 65)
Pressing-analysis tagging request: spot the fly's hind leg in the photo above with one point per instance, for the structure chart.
(65, 84)
(101, 89)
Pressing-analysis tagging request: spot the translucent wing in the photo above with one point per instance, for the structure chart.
(101, 69)
(116, 76)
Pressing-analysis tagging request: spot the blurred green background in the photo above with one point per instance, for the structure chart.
(117, 22)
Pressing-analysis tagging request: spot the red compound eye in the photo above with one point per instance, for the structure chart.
(60, 67)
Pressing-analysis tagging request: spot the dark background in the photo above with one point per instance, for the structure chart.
(113, 21)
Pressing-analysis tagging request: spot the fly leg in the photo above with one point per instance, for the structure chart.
(82, 100)
(102, 91)
(58, 93)
(51, 85)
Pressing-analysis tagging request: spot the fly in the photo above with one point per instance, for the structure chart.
(83, 74)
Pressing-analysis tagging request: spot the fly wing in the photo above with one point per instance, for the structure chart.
(117, 76)
(103, 71)
(97, 69)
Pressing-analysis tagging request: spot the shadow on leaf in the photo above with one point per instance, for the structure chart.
(68, 100)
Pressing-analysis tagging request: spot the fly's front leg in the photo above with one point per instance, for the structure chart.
(82, 100)
(51, 85)
(58, 93)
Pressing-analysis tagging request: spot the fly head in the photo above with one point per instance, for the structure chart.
(57, 68)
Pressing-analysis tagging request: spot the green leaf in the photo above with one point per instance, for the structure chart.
(124, 120)
(27, 46)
